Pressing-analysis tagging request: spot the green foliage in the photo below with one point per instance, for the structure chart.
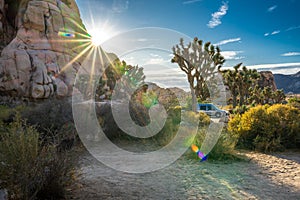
(132, 76)
(240, 109)
(50, 114)
(295, 102)
(222, 151)
(267, 128)
(239, 81)
(29, 170)
(174, 119)
(149, 99)
(171, 126)
(204, 119)
(244, 88)
(7, 112)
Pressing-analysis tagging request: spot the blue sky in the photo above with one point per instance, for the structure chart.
(263, 34)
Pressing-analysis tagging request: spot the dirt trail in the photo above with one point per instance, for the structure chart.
(263, 176)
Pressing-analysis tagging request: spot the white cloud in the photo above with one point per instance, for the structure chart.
(275, 65)
(232, 55)
(216, 16)
(292, 28)
(228, 41)
(291, 54)
(190, 1)
(275, 32)
(272, 8)
(283, 68)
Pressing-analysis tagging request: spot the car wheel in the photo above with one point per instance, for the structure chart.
(218, 114)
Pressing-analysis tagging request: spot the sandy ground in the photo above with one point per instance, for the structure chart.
(261, 176)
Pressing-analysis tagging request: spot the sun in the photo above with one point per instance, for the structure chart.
(99, 36)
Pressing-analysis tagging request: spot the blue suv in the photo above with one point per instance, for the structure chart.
(212, 110)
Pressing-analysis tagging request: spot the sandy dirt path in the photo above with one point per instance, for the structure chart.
(262, 176)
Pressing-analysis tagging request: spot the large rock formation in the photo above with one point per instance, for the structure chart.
(38, 61)
(267, 80)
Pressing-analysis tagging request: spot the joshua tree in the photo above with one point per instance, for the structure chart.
(200, 63)
(268, 95)
(248, 78)
(265, 95)
(279, 96)
(230, 78)
(239, 82)
(256, 95)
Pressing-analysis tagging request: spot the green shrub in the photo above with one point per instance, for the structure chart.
(267, 128)
(174, 119)
(240, 109)
(295, 102)
(29, 170)
(223, 149)
(170, 127)
(7, 113)
(50, 114)
(286, 122)
(52, 118)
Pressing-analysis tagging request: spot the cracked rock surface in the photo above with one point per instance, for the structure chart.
(34, 59)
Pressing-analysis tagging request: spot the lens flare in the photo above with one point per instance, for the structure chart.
(194, 148)
(66, 34)
(200, 154)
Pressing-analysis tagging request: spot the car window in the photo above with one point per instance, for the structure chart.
(209, 107)
(213, 107)
(202, 107)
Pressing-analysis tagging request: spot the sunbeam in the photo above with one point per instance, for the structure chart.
(76, 58)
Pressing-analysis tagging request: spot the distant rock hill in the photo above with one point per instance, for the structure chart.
(267, 80)
(289, 83)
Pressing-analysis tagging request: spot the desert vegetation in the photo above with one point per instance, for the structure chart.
(35, 159)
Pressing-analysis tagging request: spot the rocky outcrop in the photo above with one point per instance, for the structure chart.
(38, 61)
(169, 97)
(267, 80)
(289, 83)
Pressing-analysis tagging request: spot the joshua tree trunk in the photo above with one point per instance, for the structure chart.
(234, 101)
(194, 99)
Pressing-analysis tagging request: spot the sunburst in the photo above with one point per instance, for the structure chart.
(86, 42)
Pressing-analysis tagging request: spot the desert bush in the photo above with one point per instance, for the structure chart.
(295, 102)
(267, 128)
(53, 119)
(29, 170)
(240, 109)
(286, 120)
(223, 150)
(171, 126)
(204, 119)
(49, 114)
(174, 120)
(7, 113)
